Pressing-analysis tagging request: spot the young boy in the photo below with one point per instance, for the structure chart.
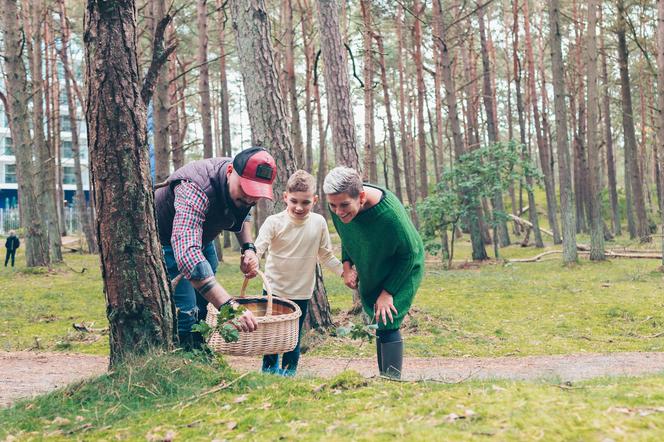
(295, 238)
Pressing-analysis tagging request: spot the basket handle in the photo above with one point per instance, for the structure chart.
(268, 289)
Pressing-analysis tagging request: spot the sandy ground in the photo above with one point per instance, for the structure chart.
(25, 374)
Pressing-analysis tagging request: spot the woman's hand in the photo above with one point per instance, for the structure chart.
(384, 307)
(350, 277)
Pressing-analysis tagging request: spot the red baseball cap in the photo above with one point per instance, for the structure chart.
(257, 170)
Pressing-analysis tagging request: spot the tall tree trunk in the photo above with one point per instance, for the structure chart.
(289, 67)
(174, 129)
(608, 138)
(396, 170)
(419, 72)
(410, 186)
(308, 48)
(370, 170)
(660, 104)
(492, 126)
(82, 211)
(337, 86)
(438, 84)
(597, 225)
(45, 154)
(525, 152)
(545, 154)
(204, 78)
(161, 106)
(322, 142)
(18, 96)
(631, 152)
(139, 308)
(565, 179)
(478, 247)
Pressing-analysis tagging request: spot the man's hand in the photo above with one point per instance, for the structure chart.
(249, 263)
(384, 307)
(350, 278)
(248, 321)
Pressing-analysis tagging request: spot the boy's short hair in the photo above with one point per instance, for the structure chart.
(343, 180)
(301, 181)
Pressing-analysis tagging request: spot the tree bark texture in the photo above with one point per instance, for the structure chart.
(161, 105)
(545, 154)
(370, 170)
(291, 84)
(631, 150)
(596, 226)
(265, 104)
(419, 74)
(139, 308)
(204, 78)
(660, 104)
(337, 86)
(564, 172)
(84, 215)
(18, 96)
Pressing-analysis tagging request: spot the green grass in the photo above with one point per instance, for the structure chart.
(170, 395)
(494, 309)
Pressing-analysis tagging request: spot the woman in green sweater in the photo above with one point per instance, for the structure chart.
(382, 255)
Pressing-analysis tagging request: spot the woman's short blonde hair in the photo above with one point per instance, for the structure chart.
(343, 180)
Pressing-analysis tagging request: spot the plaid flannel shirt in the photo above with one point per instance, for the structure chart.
(191, 205)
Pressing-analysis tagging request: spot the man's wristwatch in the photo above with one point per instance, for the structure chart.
(248, 246)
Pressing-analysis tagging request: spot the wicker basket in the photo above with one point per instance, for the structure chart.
(277, 330)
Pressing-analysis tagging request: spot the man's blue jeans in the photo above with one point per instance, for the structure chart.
(190, 305)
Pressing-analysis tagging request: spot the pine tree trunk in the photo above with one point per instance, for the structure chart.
(545, 154)
(525, 152)
(597, 225)
(478, 247)
(308, 49)
(396, 170)
(631, 152)
(139, 308)
(322, 146)
(319, 316)
(291, 84)
(265, 104)
(608, 138)
(175, 131)
(224, 97)
(492, 125)
(204, 78)
(418, 9)
(44, 153)
(18, 96)
(660, 105)
(566, 196)
(370, 170)
(161, 106)
(82, 211)
(411, 190)
(337, 86)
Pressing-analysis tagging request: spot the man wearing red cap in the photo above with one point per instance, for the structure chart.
(201, 200)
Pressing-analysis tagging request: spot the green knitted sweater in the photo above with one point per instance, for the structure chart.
(387, 253)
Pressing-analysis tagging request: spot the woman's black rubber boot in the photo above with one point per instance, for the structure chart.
(390, 356)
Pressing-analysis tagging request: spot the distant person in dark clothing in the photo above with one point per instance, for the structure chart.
(12, 244)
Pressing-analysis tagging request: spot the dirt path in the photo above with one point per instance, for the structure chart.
(24, 374)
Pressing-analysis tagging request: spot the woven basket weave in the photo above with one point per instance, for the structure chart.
(277, 330)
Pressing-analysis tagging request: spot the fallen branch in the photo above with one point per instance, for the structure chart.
(525, 222)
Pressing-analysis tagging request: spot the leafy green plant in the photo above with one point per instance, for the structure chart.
(228, 321)
(358, 331)
(481, 173)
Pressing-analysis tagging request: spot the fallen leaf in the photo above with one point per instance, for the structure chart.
(60, 421)
(240, 398)
(231, 425)
(452, 417)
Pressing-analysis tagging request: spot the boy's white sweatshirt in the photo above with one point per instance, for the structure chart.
(294, 247)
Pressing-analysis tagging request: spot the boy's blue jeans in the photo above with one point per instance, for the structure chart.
(289, 360)
(190, 305)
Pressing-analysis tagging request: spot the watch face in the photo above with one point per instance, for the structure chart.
(264, 171)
